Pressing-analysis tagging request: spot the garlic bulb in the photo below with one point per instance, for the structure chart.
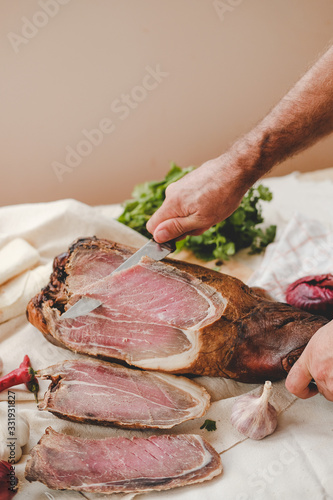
(254, 416)
(11, 445)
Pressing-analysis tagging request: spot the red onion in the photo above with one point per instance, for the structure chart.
(8, 481)
(313, 294)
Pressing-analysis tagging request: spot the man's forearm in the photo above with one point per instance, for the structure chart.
(301, 118)
(212, 192)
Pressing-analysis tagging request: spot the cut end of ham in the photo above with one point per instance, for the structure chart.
(120, 464)
(98, 392)
(151, 315)
(169, 316)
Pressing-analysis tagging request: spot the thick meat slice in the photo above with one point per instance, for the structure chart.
(120, 464)
(98, 392)
(169, 316)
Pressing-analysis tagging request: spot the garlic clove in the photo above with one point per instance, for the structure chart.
(254, 416)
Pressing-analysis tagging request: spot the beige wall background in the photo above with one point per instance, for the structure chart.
(163, 80)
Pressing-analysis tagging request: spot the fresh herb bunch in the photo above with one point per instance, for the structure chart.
(147, 198)
(220, 241)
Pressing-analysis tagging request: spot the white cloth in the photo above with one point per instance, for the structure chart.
(16, 293)
(305, 248)
(16, 257)
(295, 462)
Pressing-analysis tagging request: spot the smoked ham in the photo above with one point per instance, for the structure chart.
(98, 392)
(169, 316)
(119, 464)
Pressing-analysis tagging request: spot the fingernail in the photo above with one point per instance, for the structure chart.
(162, 236)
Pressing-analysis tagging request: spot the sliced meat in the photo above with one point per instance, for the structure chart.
(88, 267)
(120, 464)
(169, 316)
(98, 392)
(158, 294)
(151, 311)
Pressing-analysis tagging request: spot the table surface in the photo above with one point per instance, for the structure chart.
(294, 463)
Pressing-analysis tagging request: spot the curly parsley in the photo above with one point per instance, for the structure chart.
(240, 230)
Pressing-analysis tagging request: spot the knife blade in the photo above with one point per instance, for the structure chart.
(152, 249)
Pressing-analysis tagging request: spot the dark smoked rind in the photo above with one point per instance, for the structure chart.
(254, 340)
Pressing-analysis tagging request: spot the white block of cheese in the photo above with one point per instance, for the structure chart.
(16, 293)
(15, 257)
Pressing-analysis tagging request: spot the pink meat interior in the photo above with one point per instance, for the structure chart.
(117, 461)
(146, 310)
(118, 394)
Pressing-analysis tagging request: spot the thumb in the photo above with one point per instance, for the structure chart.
(163, 213)
(298, 380)
(174, 228)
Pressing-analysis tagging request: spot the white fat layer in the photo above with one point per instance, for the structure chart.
(176, 361)
(206, 459)
(211, 309)
(197, 392)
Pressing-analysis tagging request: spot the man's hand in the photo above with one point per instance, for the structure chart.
(316, 362)
(199, 200)
(213, 192)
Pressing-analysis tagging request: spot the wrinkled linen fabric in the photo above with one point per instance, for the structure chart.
(293, 463)
(305, 248)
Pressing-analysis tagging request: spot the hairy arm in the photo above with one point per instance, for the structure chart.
(213, 191)
(302, 117)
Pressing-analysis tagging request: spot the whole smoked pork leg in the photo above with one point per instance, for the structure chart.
(169, 316)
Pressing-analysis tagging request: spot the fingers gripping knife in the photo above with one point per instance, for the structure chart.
(156, 251)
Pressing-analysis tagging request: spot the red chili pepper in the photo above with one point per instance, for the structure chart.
(8, 481)
(22, 375)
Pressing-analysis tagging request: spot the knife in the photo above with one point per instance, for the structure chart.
(156, 251)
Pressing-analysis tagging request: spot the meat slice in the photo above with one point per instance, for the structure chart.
(120, 464)
(169, 316)
(98, 392)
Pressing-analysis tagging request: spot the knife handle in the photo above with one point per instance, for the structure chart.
(312, 384)
(169, 245)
